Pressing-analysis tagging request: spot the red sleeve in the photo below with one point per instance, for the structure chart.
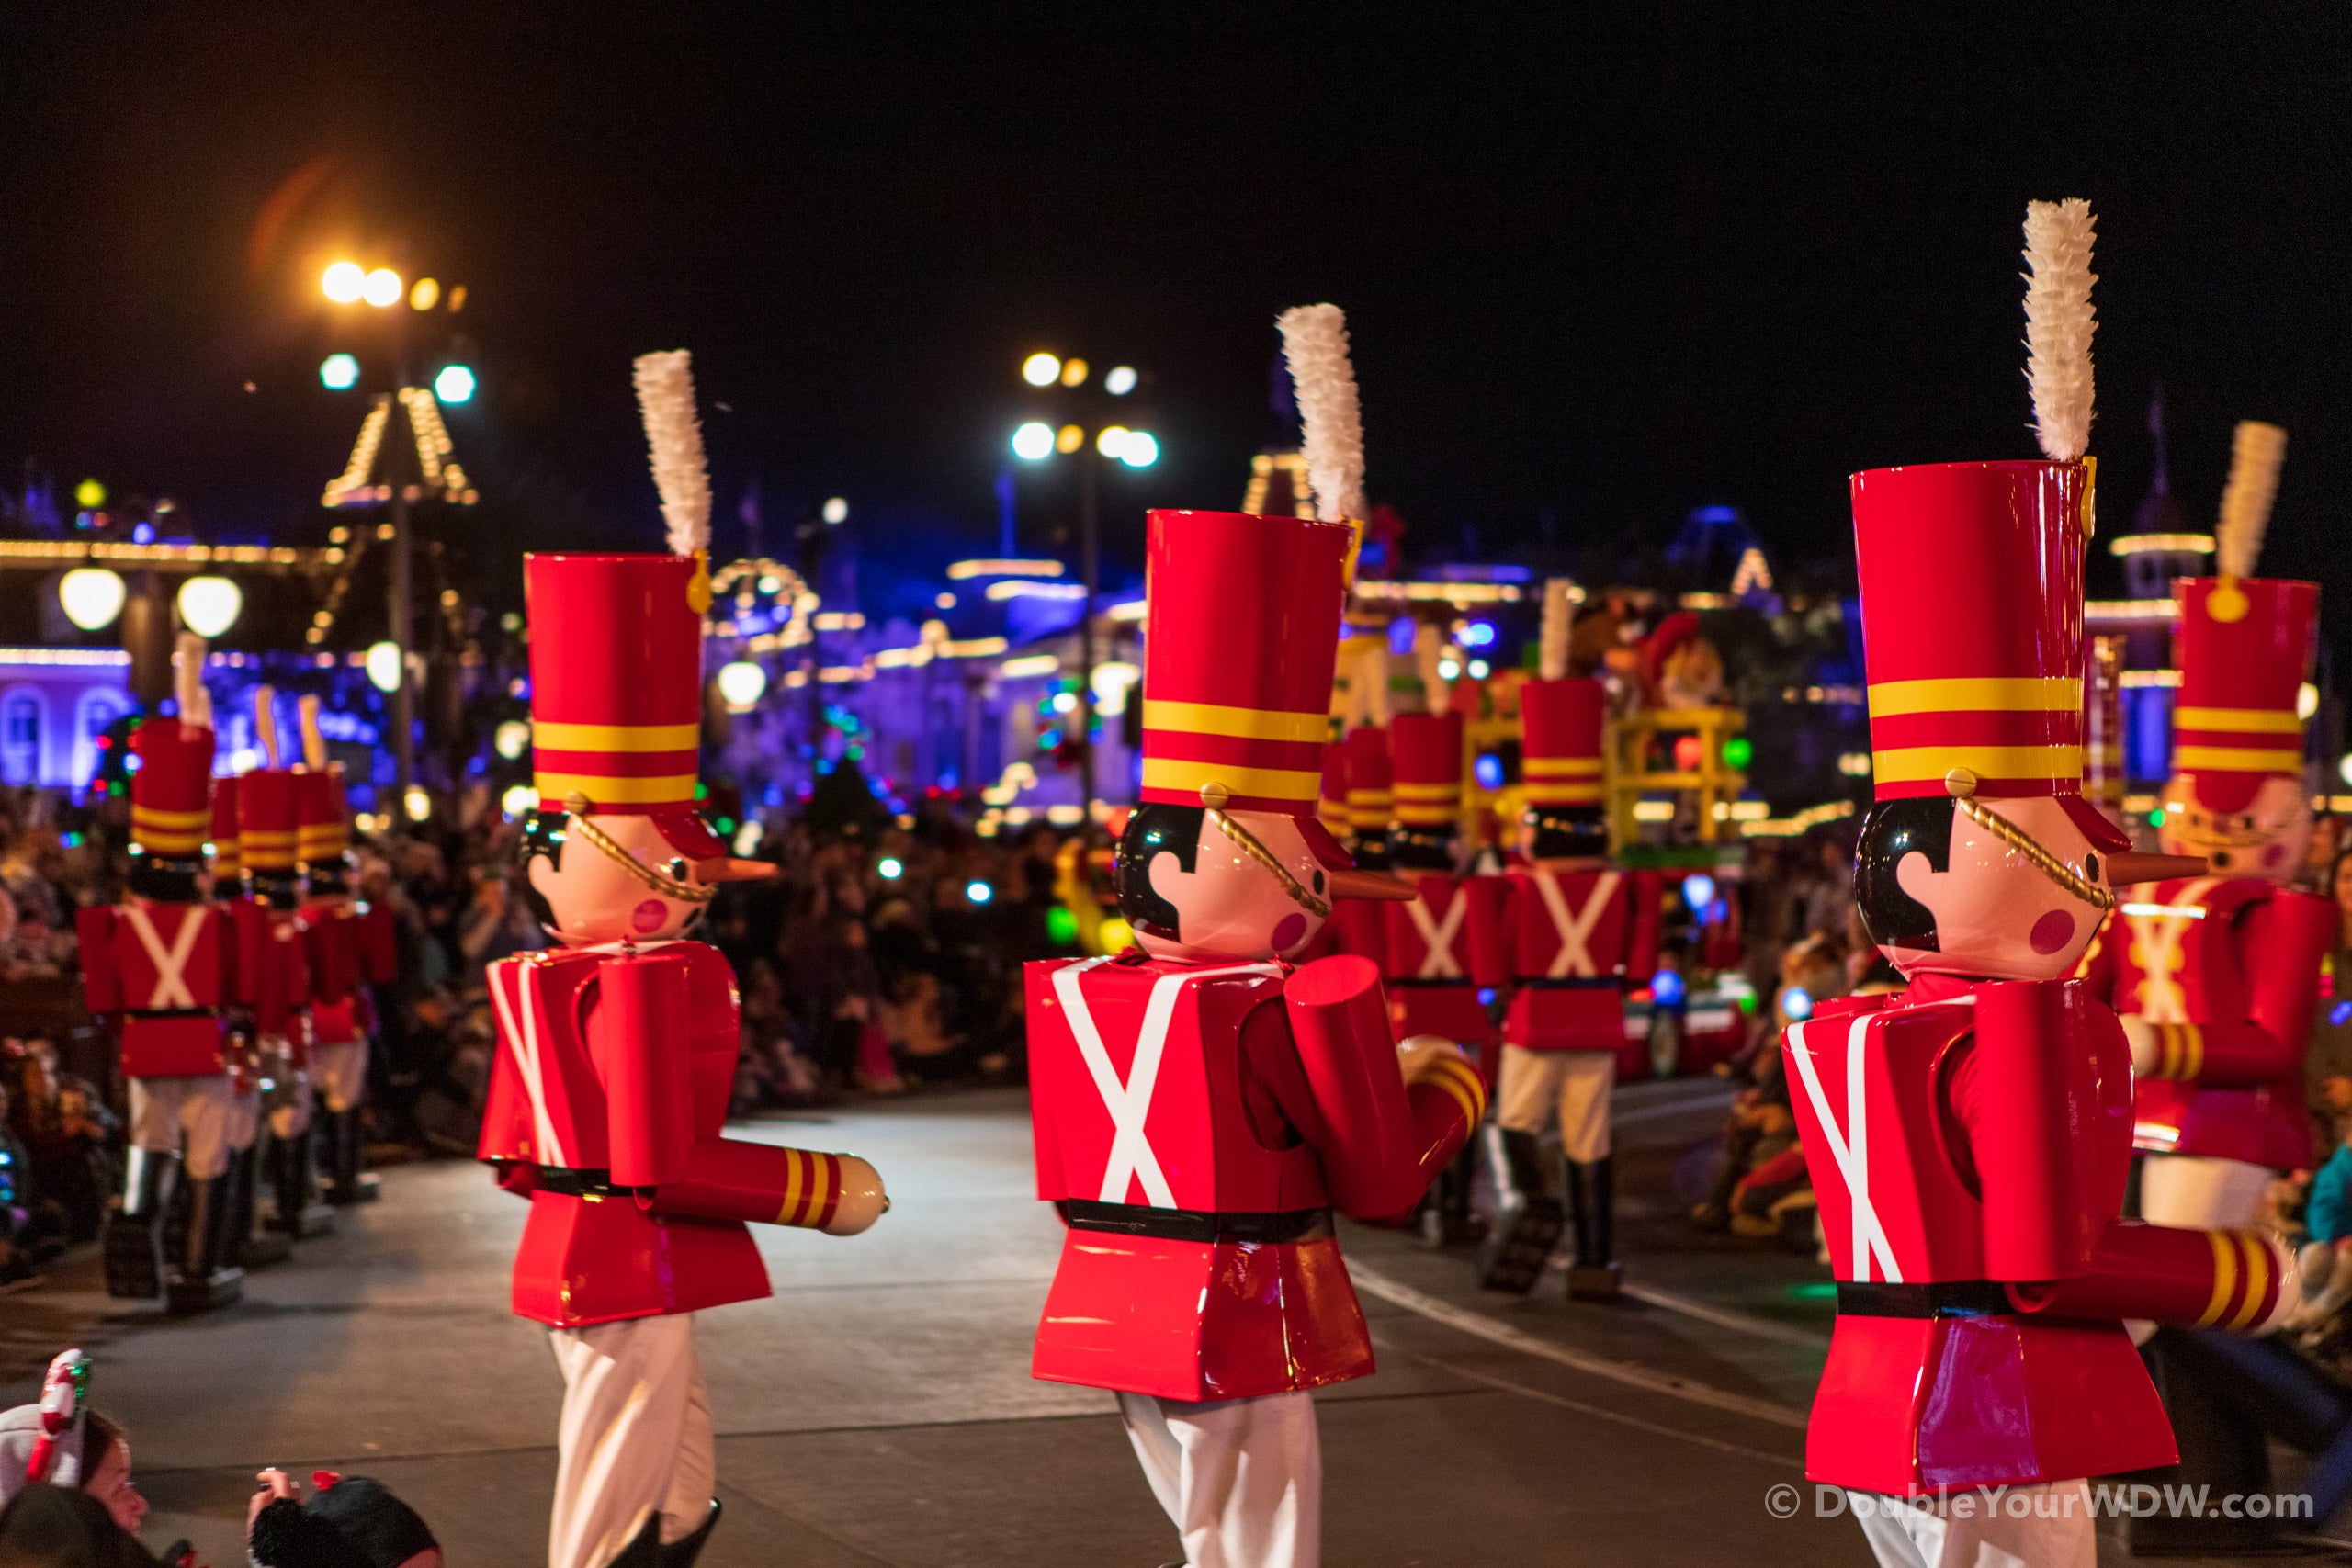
(2012, 1092)
(2199, 1278)
(101, 975)
(2278, 944)
(378, 945)
(1379, 1144)
(637, 1038)
(1493, 910)
(1641, 957)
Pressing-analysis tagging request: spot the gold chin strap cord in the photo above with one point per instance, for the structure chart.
(2098, 894)
(1213, 796)
(661, 882)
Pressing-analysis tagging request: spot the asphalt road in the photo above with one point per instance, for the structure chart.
(878, 1409)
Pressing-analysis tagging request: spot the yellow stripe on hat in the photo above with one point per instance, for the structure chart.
(2265, 721)
(1182, 774)
(153, 816)
(606, 790)
(1563, 793)
(1561, 767)
(1912, 764)
(1976, 694)
(1430, 791)
(1247, 724)
(1379, 797)
(550, 736)
(2235, 760)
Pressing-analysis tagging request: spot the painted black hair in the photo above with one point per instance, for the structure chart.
(543, 837)
(165, 879)
(1895, 828)
(1155, 828)
(1420, 848)
(1566, 835)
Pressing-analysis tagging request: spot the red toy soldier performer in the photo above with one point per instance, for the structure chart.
(1572, 932)
(1425, 943)
(246, 1249)
(1201, 1107)
(616, 1049)
(162, 963)
(2216, 977)
(1969, 1139)
(351, 949)
(275, 973)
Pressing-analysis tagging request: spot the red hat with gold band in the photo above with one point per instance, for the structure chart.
(1238, 648)
(1426, 748)
(1372, 797)
(617, 686)
(268, 818)
(2245, 648)
(228, 858)
(1560, 744)
(171, 807)
(1971, 589)
(1331, 799)
(2103, 781)
(321, 825)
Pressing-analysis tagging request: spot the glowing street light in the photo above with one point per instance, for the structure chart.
(382, 288)
(1120, 381)
(1073, 372)
(419, 803)
(741, 683)
(210, 605)
(91, 596)
(836, 509)
(1040, 370)
(1034, 442)
(510, 738)
(455, 384)
(344, 282)
(425, 295)
(338, 372)
(1111, 439)
(518, 799)
(1139, 450)
(384, 666)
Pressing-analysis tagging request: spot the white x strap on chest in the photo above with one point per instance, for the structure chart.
(518, 1020)
(1575, 958)
(2156, 948)
(1129, 1103)
(1849, 1145)
(171, 967)
(1437, 937)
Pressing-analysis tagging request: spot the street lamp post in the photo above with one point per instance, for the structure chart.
(1036, 441)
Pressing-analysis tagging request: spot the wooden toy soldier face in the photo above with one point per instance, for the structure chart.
(1197, 885)
(1990, 889)
(2267, 838)
(597, 877)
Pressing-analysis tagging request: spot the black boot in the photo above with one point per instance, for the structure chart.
(1592, 1203)
(1445, 1219)
(295, 1176)
(1527, 1216)
(248, 1249)
(204, 1280)
(346, 1138)
(681, 1553)
(133, 1241)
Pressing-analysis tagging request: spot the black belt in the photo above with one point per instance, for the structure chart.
(1415, 982)
(567, 1181)
(171, 1012)
(1195, 1224)
(1943, 1298)
(1596, 983)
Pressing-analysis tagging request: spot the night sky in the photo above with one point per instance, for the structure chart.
(1596, 274)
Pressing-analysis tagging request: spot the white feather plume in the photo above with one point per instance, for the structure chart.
(314, 745)
(1314, 342)
(188, 682)
(1559, 618)
(266, 726)
(2256, 451)
(665, 395)
(2059, 323)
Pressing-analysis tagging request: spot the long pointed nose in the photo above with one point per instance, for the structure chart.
(1358, 884)
(2127, 867)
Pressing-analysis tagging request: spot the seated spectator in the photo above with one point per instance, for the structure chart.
(32, 1229)
(69, 1135)
(350, 1521)
(1760, 1182)
(57, 1527)
(92, 1456)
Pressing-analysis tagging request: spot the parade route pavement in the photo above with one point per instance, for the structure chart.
(879, 1409)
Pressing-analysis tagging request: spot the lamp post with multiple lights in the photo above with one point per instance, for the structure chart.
(1082, 402)
(347, 282)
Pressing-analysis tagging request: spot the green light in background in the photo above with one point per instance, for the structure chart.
(1061, 926)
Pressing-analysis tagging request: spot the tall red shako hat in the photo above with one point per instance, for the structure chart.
(2245, 645)
(228, 858)
(1372, 795)
(322, 822)
(617, 644)
(1332, 798)
(1238, 648)
(171, 806)
(1426, 748)
(267, 815)
(1560, 725)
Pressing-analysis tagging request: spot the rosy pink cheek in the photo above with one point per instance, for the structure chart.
(648, 915)
(2053, 931)
(2274, 855)
(1289, 932)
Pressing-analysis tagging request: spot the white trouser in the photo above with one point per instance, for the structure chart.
(340, 1072)
(162, 1110)
(2201, 1192)
(289, 1095)
(1534, 1083)
(2048, 1526)
(244, 1118)
(635, 1438)
(1242, 1479)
